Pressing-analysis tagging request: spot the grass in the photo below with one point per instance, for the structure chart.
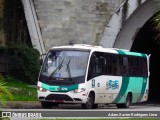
(21, 91)
(97, 119)
(107, 119)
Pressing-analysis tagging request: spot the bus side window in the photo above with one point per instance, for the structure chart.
(100, 65)
(125, 66)
(144, 67)
(109, 64)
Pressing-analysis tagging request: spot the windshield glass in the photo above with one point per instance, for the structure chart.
(65, 64)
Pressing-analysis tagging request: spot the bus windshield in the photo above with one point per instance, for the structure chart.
(65, 64)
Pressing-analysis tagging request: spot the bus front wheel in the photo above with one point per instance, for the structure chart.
(90, 103)
(127, 103)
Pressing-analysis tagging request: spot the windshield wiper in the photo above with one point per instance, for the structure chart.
(58, 68)
(69, 71)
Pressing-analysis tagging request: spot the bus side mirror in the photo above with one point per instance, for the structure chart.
(41, 62)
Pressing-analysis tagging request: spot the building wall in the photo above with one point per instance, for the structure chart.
(78, 21)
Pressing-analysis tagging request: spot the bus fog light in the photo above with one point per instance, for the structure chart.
(79, 90)
(41, 89)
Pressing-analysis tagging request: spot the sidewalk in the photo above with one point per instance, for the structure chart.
(23, 105)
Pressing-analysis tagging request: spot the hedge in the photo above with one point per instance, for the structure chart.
(23, 62)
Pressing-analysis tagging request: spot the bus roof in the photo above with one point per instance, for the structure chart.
(101, 49)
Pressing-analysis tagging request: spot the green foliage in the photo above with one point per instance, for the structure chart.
(23, 63)
(4, 92)
(105, 119)
(20, 90)
(156, 20)
(156, 23)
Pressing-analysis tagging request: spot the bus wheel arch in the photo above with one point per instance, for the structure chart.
(128, 101)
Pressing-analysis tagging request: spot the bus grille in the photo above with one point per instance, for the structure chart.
(59, 97)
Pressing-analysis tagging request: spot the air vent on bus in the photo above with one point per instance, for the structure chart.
(41, 98)
(77, 99)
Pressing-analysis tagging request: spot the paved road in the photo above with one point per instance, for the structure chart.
(142, 110)
(142, 107)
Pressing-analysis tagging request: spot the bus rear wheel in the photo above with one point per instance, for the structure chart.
(127, 104)
(48, 105)
(90, 103)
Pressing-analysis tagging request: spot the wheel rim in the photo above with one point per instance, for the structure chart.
(89, 103)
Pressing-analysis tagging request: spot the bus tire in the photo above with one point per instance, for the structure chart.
(127, 103)
(94, 106)
(55, 105)
(46, 105)
(89, 104)
(120, 105)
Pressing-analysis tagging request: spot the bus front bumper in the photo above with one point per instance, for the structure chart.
(62, 97)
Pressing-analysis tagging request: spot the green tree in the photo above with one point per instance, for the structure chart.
(156, 23)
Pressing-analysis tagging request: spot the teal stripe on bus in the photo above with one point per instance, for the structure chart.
(131, 53)
(125, 82)
(144, 85)
(60, 88)
(121, 52)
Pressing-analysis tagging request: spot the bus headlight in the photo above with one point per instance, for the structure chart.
(41, 89)
(78, 90)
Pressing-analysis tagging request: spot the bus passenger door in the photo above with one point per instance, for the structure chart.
(95, 75)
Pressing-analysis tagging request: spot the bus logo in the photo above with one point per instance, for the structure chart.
(112, 84)
(64, 89)
(57, 75)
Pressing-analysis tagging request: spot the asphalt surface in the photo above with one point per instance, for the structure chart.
(75, 111)
(135, 107)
